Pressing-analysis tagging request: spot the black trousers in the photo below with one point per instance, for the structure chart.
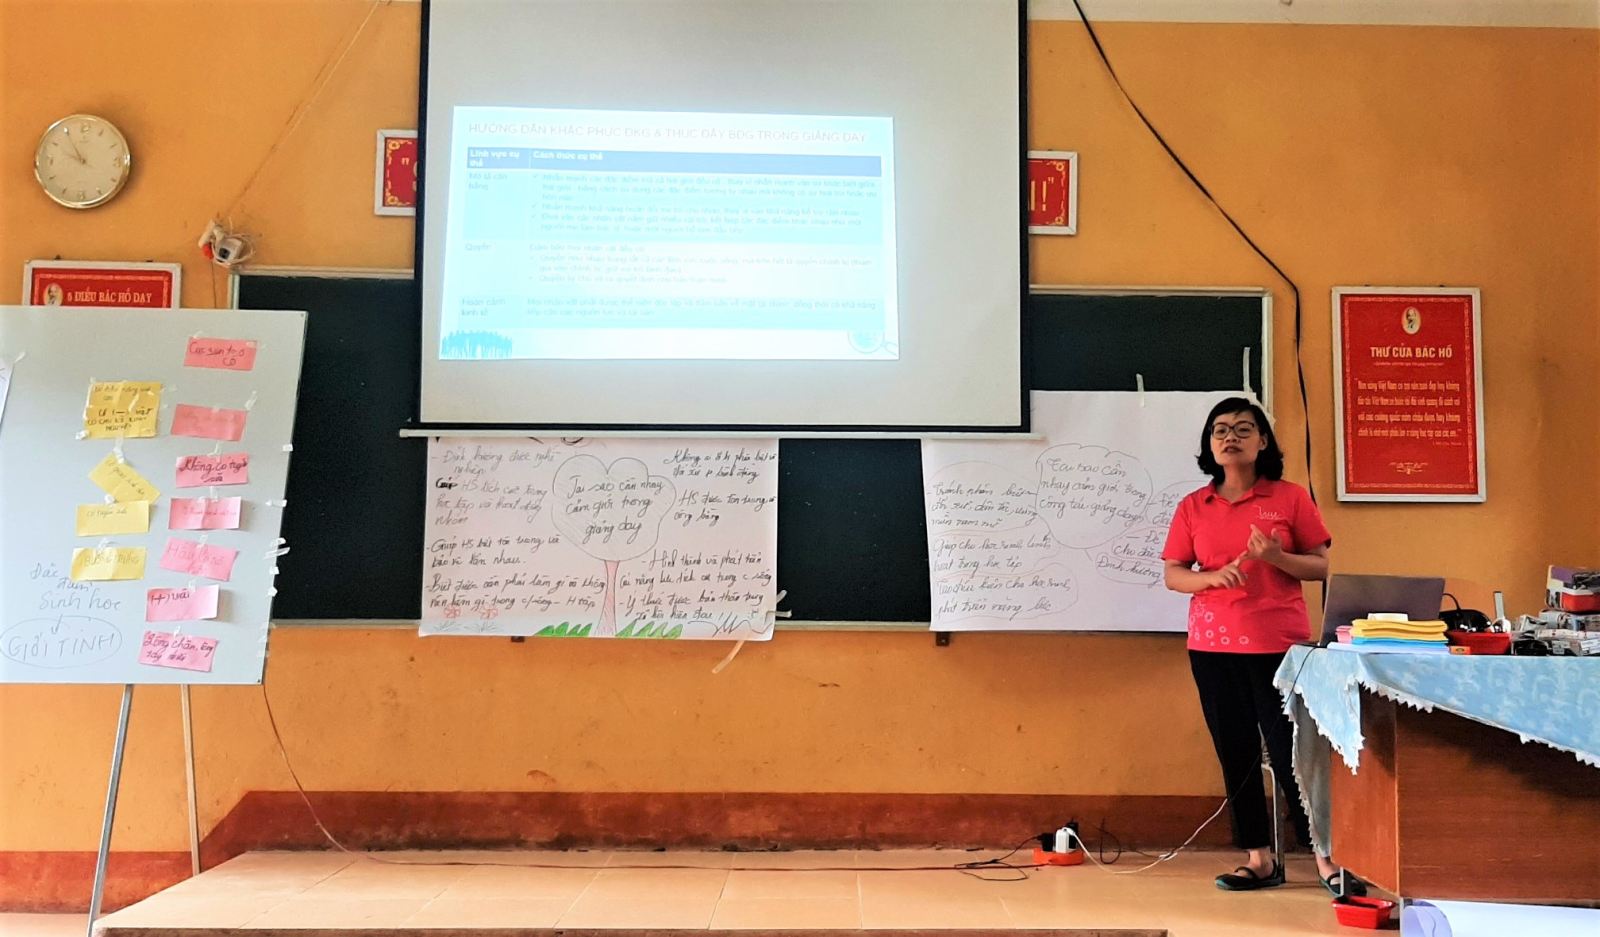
(1242, 707)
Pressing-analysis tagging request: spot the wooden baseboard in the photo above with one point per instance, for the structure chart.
(60, 881)
(51, 882)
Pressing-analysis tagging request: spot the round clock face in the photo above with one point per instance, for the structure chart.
(82, 161)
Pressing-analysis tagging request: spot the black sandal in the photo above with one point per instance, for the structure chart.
(1342, 884)
(1245, 879)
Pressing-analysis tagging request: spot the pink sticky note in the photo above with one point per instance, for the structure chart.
(204, 514)
(230, 468)
(229, 354)
(206, 423)
(180, 651)
(198, 559)
(187, 604)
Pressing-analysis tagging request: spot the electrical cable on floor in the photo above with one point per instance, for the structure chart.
(1294, 288)
(966, 868)
(1173, 852)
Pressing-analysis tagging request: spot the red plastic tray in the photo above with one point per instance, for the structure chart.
(1371, 913)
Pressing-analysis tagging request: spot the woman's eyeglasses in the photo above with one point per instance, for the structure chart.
(1239, 430)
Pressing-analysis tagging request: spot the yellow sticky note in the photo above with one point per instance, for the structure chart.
(121, 482)
(122, 408)
(107, 520)
(97, 564)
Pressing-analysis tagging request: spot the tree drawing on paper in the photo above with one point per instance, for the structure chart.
(613, 513)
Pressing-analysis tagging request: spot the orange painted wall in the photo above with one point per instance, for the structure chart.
(1384, 155)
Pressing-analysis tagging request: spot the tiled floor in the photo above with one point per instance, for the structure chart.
(727, 891)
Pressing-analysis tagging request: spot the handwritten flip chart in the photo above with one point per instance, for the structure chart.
(224, 353)
(204, 513)
(199, 559)
(109, 520)
(106, 564)
(208, 422)
(180, 651)
(191, 603)
(121, 481)
(209, 554)
(1063, 533)
(608, 538)
(199, 471)
(126, 409)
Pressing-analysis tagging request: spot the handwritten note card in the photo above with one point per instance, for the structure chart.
(119, 480)
(199, 471)
(612, 538)
(122, 409)
(225, 353)
(103, 564)
(1063, 533)
(179, 651)
(208, 423)
(204, 514)
(198, 559)
(109, 520)
(195, 603)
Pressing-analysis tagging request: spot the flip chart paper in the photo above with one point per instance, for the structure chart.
(109, 520)
(204, 514)
(200, 471)
(127, 409)
(198, 559)
(104, 564)
(121, 481)
(224, 353)
(207, 423)
(195, 603)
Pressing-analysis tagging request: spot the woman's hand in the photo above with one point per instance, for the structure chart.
(1267, 549)
(1231, 576)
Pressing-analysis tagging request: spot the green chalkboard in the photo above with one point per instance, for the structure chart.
(852, 542)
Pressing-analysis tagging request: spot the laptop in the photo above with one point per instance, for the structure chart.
(1352, 597)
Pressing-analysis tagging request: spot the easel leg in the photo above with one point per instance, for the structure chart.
(188, 771)
(111, 807)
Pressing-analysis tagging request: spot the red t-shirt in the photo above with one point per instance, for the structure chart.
(1268, 613)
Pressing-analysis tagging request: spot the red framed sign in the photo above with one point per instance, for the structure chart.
(395, 178)
(1052, 192)
(1408, 367)
(96, 283)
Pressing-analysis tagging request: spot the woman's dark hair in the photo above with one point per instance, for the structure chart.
(1269, 464)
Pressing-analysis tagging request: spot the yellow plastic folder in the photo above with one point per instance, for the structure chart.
(108, 520)
(1430, 632)
(121, 481)
(98, 564)
(127, 409)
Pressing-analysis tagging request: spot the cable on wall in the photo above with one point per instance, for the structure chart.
(1294, 288)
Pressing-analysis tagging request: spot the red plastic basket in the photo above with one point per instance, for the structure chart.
(1481, 642)
(1370, 913)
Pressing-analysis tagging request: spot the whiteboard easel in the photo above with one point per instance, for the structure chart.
(61, 625)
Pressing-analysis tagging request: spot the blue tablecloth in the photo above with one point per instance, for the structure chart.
(1554, 701)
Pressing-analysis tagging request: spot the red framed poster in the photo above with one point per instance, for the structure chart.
(1408, 366)
(1052, 192)
(395, 179)
(97, 283)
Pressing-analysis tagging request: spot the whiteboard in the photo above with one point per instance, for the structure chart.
(1064, 533)
(54, 629)
(601, 538)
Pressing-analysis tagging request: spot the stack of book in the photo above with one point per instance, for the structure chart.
(1393, 633)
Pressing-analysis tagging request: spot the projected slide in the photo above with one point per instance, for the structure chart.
(583, 234)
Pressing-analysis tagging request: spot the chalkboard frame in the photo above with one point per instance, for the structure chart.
(797, 490)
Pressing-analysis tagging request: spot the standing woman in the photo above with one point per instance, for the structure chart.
(1241, 547)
